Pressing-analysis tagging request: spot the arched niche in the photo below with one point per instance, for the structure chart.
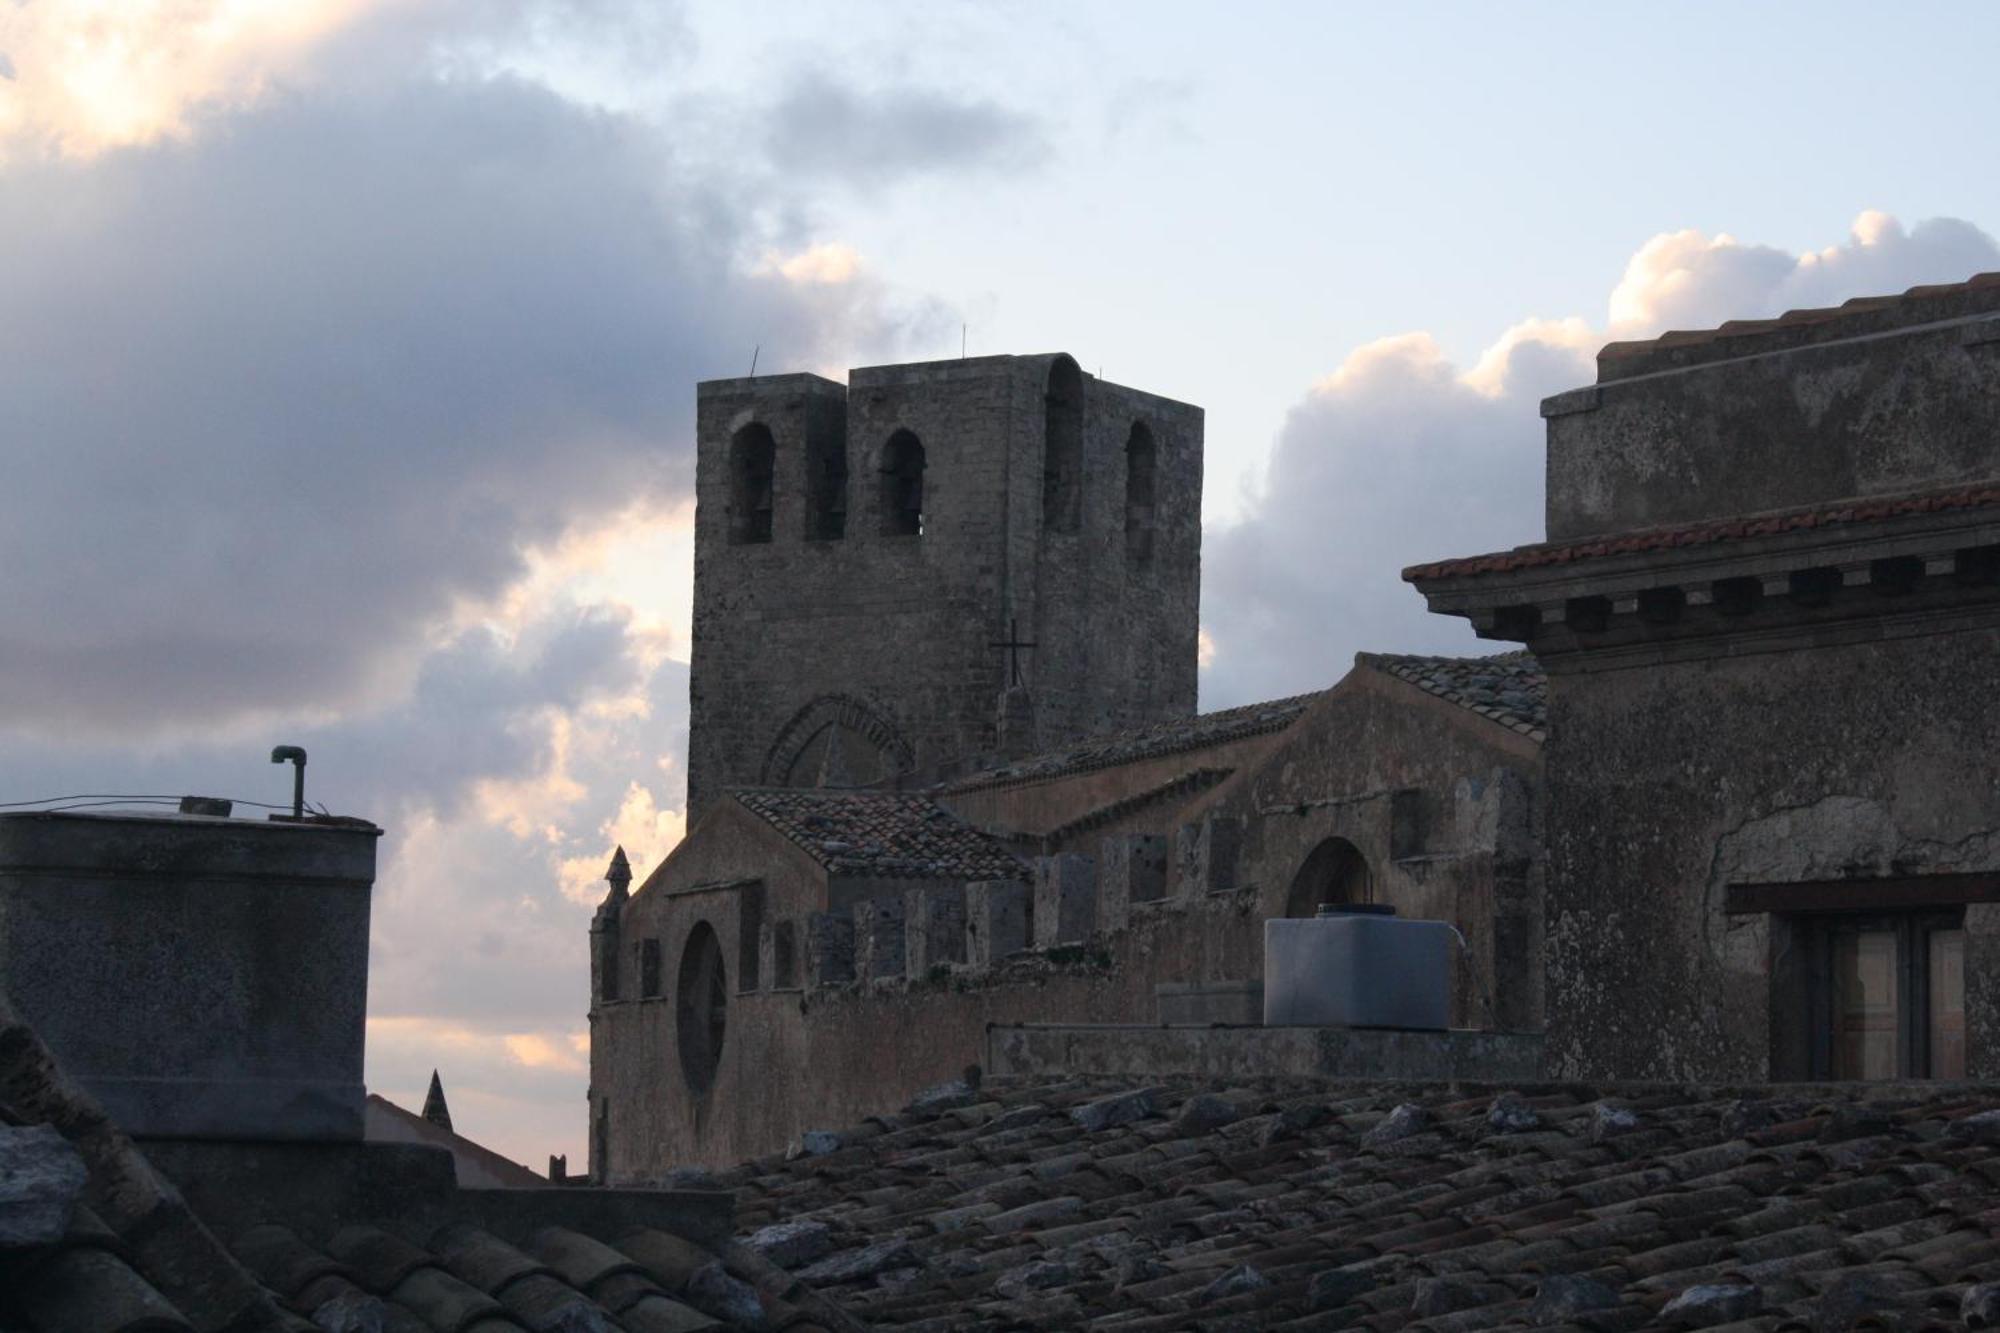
(1141, 461)
(902, 493)
(1334, 873)
(835, 741)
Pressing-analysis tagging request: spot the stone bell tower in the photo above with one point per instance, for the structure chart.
(935, 563)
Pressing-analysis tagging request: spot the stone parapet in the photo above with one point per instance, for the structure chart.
(1065, 899)
(1042, 1050)
(996, 921)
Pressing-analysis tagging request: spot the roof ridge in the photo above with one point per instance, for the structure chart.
(891, 834)
(1520, 705)
(1756, 523)
(1627, 358)
(1062, 760)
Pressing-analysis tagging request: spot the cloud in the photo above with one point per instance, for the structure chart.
(822, 129)
(351, 405)
(1399, 456)
(1686, 280)
(90, 75)
(279, 398)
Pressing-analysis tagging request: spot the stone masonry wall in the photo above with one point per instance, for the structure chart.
(1669, 782)
(896, 988)
(1791, 426)
(897, 629)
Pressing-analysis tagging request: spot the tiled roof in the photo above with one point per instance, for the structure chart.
(1509, 688)
(874, 833)
(462, 1277)
(1742, 337)
(1178, 788)
(1290, 1205)
(94, 1240)
(1711, 531)
(1162, 738)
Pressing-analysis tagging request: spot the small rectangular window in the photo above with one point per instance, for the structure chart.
(649, 968)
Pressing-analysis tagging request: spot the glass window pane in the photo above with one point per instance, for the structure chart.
(1866, 1029)
(1947, 1016)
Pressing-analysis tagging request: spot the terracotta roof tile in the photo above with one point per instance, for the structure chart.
(1709, 532)
(898, 836)
(135, 1258)
(1742, 337)
(1462, 1225)
(1163, 738)
(1509, 688)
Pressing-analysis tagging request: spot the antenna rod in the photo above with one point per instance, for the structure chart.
(297, 756)
(753, 359)
(961, 342)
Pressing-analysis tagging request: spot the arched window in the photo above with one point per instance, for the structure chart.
(1139, 461)
(701, 1007)
(826, 483)
(1334, 872)
(752, 461)
(1062, 448)
(903, 486)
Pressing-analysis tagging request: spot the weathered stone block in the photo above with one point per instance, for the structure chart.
(829, 949)
(41, 1179)
(878, 938)
(1131, 868)
(1065, 899)
(1208, 1002)
(1208, 853)
(996, 920)
(936, 928)
(767, 951)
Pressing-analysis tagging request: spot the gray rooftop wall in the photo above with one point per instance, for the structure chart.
(201, 977)
(1903, 396)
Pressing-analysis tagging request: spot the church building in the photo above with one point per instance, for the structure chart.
(946, 772)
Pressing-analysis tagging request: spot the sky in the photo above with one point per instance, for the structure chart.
(347, 355)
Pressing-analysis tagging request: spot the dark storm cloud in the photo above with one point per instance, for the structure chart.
(273, 398)
(824, 129)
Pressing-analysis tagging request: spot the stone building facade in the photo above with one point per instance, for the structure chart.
(863, 552)
(808, 957)
(1769, 609)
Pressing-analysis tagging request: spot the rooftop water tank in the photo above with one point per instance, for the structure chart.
(1357, 966)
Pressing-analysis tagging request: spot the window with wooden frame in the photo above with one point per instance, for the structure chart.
(1868, 976)
(1887, 995)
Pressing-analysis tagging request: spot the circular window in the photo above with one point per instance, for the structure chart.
(701, 1007)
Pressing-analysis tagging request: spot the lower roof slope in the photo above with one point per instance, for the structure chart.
(881, 833)
(1509, 688)
(1107, 749)
(93, 1239)
(1186, 1205)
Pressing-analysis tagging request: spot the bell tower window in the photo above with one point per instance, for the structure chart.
(903, 486)
(1062, 448)
(1139, 463)
(752, 468)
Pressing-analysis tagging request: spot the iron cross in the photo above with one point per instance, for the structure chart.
(1013, 644)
